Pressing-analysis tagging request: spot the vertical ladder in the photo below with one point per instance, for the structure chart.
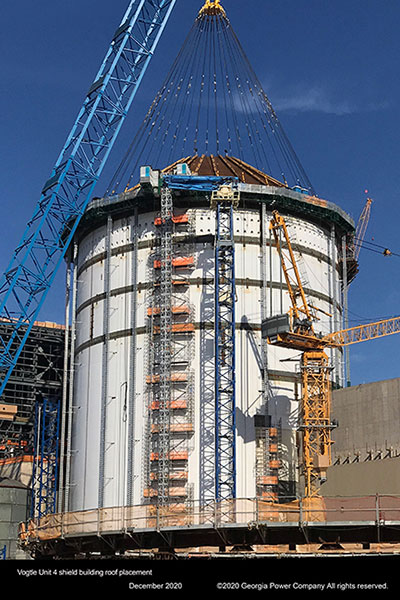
(224, 200)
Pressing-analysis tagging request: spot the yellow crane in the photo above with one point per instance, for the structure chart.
(295, 330)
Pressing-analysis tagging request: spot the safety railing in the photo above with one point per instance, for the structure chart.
(3, 553)
(244, 512)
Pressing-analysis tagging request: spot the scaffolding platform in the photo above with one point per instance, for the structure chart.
(254, 522)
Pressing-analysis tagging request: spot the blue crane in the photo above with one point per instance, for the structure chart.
(65, 195)
(64, 198)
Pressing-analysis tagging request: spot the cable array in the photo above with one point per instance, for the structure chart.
(211, 102)
(378, 248)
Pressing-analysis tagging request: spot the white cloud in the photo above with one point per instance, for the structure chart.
(317, 99)
(312, 100)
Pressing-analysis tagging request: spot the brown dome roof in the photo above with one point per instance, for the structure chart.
(225, 166)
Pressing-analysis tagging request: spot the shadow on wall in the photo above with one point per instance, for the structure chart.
(245, 426)
(280, 408)
(18, 470)
(205, 262)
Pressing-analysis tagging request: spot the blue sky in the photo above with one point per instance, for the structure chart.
(329, 67)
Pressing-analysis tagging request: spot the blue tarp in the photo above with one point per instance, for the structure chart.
(198, 183)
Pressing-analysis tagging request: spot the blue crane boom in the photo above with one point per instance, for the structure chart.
(66, 193)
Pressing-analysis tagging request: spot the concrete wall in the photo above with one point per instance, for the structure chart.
(369, 421)
(363, 479)
(366, 450)
(13, 510)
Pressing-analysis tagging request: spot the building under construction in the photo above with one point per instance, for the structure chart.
(188, 418)
(38, 374)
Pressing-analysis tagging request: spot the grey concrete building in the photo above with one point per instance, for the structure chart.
(13, 510)
(366, 450)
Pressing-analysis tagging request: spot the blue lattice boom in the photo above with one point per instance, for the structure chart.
(66, 193)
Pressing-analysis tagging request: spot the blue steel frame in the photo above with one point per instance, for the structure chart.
(45, 458)
(66, 193)
(225, 377)
(3, 553)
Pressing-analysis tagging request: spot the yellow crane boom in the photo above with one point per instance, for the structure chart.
(363, 333)
(300, 312)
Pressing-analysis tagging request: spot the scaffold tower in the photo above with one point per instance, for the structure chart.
(165, 346)
(170, 337)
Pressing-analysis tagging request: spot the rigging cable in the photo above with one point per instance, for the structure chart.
(364, 244)
(211, 83)
(150, 118)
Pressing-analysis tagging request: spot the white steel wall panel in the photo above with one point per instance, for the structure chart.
(86, 430)
(88, 376)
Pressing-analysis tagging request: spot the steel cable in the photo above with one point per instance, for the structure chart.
(211, 101)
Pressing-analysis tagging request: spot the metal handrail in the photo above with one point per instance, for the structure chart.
(250, 512)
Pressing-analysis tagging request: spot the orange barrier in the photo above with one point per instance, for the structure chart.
(177, 219)
(274, 464)
(179, 475)
(175, 378)
(47, 324)
(267, 480)
(172, 492)
(174, 404)
(178, 328)
(184, 455)
(181, 261)
(16, 459)
(177, 428)
(175, 310)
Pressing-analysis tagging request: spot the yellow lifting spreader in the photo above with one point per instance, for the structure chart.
(212, 7)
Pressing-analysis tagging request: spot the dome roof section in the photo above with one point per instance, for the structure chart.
(225, 166)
